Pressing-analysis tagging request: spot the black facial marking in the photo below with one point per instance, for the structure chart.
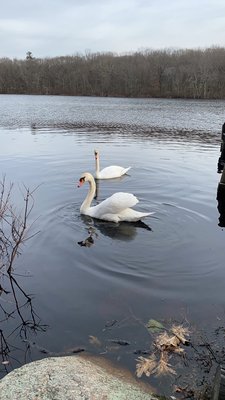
(82, 179)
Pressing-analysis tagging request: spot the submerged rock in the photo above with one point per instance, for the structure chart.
(72, 378)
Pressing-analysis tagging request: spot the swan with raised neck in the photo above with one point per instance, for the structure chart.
(115, 208)
(113, 171)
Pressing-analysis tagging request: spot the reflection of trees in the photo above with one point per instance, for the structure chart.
(15, 303)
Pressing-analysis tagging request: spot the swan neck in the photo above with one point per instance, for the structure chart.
(91, 192)
(97, 165)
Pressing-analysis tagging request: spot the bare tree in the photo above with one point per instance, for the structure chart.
(186, 73)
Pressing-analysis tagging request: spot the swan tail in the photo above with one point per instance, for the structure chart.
(143, 215)
(125, 170)
(131, 215)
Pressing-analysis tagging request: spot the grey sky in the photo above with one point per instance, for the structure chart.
(51, 28)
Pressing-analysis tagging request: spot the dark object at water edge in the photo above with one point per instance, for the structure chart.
(221, 199)
(221, 160)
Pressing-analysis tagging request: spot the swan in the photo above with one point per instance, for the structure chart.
(115, 208)
(114, 171)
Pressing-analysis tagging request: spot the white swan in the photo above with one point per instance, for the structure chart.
(115, 208)
(114, 171)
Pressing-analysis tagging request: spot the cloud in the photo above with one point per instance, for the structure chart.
(62, 27)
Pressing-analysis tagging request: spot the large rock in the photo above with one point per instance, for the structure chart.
(71, 378)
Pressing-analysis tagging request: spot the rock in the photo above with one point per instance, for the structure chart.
(72, 378)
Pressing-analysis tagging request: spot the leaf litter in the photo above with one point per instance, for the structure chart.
(165, 344)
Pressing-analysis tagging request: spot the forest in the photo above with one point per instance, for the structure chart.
(169, 73)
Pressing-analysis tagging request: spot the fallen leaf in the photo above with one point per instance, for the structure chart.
(146, 366)
(180, 332)
(154, 326)
(164, 341)
(163, 367)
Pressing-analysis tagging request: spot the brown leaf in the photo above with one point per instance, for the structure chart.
(163, 367)
(164, 341)
(178, 350)
(180, 332)
(146, 366)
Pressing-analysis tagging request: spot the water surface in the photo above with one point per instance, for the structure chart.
(175, 271)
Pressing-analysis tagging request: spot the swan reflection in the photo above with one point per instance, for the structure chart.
(97, 183)
(124, 231)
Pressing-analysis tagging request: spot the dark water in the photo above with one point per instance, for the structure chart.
(130, 274)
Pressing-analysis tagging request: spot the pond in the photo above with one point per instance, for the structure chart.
(85, 297)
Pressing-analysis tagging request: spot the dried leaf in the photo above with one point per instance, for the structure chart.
(178, 350)
(146, 366)
(163, 367)
(164, 341)
(154, 326)
(94, 340)
(180, 332)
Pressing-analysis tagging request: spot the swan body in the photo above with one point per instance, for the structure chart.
(115, 208)
(114, 171)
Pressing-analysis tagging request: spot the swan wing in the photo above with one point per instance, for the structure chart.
(117, 203)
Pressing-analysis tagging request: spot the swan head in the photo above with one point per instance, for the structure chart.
(86, 177)
(96, 153)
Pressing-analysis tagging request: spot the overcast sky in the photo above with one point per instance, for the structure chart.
(51, 28)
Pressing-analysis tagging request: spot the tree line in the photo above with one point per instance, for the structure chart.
(184, 73)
